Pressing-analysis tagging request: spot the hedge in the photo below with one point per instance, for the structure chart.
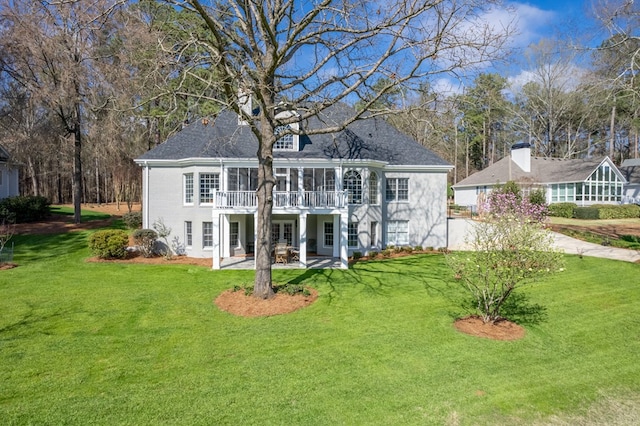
(562, 209)
(22, 209)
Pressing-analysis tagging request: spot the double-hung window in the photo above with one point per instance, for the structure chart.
(188, 233)
(188, 188)
(208, 182)
(207, 234)
(352, 234)
(328, 234)
(398, 232)
(397, 189)
(373, 189)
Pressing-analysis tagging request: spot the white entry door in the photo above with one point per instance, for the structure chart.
(282, 230)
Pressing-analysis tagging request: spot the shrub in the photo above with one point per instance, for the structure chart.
(418, 248)
(586, 213)
(407, 249)
(133, 220)
(562, 209)
(625, 211)
(292, 289)
(357, 255)
(373, 254)
(145, 239)
(23, 209)
(386, 252)
(538, 196)
(109, 244)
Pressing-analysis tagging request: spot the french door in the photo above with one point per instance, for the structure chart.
(282, 230)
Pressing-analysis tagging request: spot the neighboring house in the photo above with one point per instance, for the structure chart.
(8, 175)
(581, 181)
(361, 189)
(631, 171)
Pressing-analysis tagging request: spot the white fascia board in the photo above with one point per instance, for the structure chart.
(414, 168)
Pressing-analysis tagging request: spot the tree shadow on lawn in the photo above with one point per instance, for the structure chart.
(382, 277)
(44, 246)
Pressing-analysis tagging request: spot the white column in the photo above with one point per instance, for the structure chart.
(337, 236)
(216, 240)
(255, 238)
(224, 235)
(303, 240)
(344, 253)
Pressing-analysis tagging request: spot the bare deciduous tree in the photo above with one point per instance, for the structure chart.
(52, 49)
(313, 54)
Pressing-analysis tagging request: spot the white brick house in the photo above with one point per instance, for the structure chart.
(357, 190)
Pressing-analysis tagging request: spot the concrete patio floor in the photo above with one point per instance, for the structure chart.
(315, 262)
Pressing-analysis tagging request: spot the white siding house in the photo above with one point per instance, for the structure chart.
(8, 176)
(631, 171)
(357, 190)
(581, 181)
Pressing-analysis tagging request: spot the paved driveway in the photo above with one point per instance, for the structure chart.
(574, 246)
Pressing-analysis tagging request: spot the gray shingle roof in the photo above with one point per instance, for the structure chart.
(630, 169)
(367, 139)
(543, 171)
(4, 154)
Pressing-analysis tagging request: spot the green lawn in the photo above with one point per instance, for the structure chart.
(94, 343)
(86, 214)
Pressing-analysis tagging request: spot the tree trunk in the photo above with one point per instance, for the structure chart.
(263, 288)
(612, 132)
(77, 168)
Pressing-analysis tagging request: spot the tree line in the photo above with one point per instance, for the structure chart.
(86, 87)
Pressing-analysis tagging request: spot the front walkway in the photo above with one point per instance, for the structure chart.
(315, 262)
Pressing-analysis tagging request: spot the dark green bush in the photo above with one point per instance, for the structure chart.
(373, 254)
(22, 209)
(418, 248)
(586, 213)
(538, 197)
(145, 240)
(630, 238)
(133, 220)
(357, 255)
(562, 209)
(109, 244)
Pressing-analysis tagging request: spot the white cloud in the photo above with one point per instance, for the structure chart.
(446, 87)
(565, 77)
(532, 23)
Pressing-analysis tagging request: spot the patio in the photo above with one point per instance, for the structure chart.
(313, 262)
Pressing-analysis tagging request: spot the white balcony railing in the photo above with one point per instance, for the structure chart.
(303, 199)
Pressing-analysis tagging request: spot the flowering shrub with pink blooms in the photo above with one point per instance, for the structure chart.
(508, 204)
(510, 247)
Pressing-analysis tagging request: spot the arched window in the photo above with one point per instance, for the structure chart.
(353, 183)
(374, 198)
(285, 142)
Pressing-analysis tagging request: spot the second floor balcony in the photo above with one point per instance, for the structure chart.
(299, 199)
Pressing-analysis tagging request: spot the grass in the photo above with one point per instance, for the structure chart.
(85, 215)
(631, 242)
(97, 343)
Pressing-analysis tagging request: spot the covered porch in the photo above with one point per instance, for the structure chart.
(312, 234)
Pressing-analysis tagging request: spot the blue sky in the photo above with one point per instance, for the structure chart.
(567, 20)
(548, 18)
